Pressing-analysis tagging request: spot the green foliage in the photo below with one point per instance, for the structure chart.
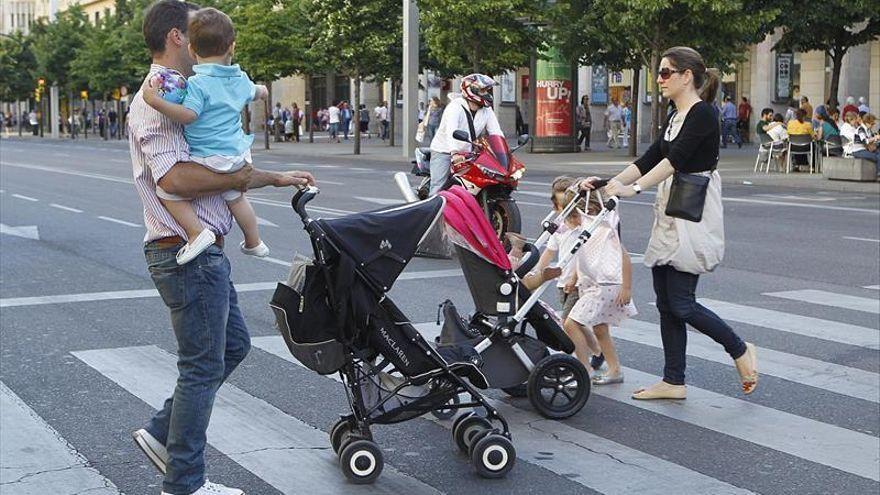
(488, 36)
(358, 38)
(269, 37)
(17, 64)
(114, 54)
(57, 44)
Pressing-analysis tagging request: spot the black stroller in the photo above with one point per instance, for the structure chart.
(334, 316)
(512, 329)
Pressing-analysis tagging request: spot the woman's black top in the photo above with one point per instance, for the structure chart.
(694, 149)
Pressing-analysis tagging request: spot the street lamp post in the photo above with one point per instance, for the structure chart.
(410, 76)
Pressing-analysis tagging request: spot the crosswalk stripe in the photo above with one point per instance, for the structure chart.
(587, 459)
(840, 448)
(872, 287)
(282, 450)
(833, 377)
(36, 459)
(817, 328)
(833, 299)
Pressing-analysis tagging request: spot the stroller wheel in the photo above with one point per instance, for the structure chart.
(361, 461)
(444, 414)
(466, 428)
(559, 386)
(520, 390)
(339, 433)
(493, 456)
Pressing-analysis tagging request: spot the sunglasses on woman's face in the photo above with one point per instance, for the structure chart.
(665, 73)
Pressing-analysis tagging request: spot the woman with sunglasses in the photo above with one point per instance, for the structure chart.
(679, 250)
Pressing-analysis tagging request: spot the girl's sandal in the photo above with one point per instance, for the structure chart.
(750, 380)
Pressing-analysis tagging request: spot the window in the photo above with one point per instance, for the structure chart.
(97, 17)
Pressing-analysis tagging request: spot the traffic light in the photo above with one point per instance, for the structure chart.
(41, 82)
(84, 95)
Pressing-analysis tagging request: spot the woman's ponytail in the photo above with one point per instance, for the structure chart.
(709, 90)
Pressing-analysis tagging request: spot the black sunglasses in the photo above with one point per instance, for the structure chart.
(665, 73)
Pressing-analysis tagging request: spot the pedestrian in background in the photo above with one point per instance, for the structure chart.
(333, 121)
(743, 118)
(296, 117)
(364, 120)
(808, 110)
(680, 250)
(345, 117)
(728, 123)
(627, 120)
(277, 122)
(863, 106)
(113, 120)
(613, 122)
(435, 111)
(381, 114)
(584, 122)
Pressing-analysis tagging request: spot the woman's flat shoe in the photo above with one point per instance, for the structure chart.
(195, 247)
(261, 250)
(661, 390)
(606, 379)
(750, 380)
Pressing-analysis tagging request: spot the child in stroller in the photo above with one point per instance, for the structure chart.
(557, 385)
(335, 316)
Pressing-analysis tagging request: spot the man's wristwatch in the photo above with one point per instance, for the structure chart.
(637, 188)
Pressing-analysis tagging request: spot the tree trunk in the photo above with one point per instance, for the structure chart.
(309, 109)
(246, 119)
(634, 111)
(71, 120)
(655, 95)
(267, 105)
(392, 106)
(355, 115)
(837, 63)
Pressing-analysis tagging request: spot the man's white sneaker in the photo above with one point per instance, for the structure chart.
(154, 450)
(261, 250)
(195, 247)
(214, 489)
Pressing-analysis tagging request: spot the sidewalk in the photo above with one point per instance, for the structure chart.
(736, 165)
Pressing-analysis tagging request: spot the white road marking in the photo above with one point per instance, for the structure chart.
(36, 459)
(25, 231)
(381, 201)
(833, 377)
(832, 331)
(861, 239)
(65, 208)
(120, 222)
(68, 172)
(587, 459)
(267, 223)
(835, 300)
(26, 198)
(872, 287)
(290, 455)
(13, 302)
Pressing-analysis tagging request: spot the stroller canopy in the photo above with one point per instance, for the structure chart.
(465, 218)
(382, 242)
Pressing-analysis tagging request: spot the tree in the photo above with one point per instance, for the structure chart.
(834, 27)
(17, 64)
(488, 36)
(268, 45)
(622, 32)
(359, 38)
(57, 44)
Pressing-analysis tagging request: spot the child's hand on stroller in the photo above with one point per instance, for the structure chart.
(624, 296)
(587, 184)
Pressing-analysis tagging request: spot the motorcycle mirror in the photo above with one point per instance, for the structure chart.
(523, 139)
(461, 136)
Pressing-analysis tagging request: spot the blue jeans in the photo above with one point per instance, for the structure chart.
(439, 164)
(728, 127)
(212, 340)
(334, 130)
(678, 305)
(345, 126)
(873, 156)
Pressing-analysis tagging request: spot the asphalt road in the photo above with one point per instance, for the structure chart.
(85, 348)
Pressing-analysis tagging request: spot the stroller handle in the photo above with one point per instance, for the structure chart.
(299, 200)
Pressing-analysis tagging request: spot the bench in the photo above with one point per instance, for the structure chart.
(848, 168)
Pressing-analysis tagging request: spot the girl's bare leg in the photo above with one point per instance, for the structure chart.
(603, 335)
(585, 344)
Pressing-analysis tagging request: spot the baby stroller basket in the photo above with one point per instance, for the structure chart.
(306, 321)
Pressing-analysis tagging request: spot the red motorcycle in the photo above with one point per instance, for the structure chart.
(490, 172)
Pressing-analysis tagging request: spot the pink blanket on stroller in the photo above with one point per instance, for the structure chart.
(464, 215)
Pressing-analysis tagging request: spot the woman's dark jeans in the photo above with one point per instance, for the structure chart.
(678, 305)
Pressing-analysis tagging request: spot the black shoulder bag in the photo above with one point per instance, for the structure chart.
(687, 195)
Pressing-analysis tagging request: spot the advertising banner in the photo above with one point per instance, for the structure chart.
(553, 93)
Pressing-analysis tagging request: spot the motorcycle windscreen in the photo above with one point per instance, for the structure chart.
(499, 148)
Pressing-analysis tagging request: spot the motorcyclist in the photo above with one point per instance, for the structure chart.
(475, 98)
